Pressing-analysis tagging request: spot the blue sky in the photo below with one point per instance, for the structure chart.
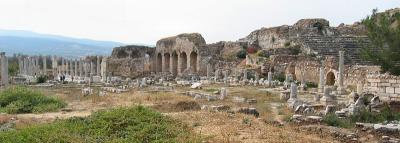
(146, 21)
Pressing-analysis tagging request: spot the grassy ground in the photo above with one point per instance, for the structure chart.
(215, 126)
(21, 99)
(135, 124)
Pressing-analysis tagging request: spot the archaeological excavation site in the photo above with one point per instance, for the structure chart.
(306, 81)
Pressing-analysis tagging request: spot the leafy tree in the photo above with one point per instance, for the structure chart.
(241, 54)
(384, 33)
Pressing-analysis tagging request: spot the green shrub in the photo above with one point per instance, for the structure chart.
(279, 76)
(362, 116)
(41, 79)
(134, 124)
(241, 54)
(372, 117)
(333, 120)
(311, 85)
(263, 53)
(295, 50)
(15, 100)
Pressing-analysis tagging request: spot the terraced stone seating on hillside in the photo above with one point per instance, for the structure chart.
(330, 46)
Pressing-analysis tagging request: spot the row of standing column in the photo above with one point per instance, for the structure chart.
(30, 66)
(176, 64)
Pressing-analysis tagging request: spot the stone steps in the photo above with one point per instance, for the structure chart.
(330, 46)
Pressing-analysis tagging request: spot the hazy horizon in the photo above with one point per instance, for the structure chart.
(148, 21)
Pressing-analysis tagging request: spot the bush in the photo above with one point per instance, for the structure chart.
(371, 117)
(15, 100)
(333, 120)
(263, 53)
(241, 54)
(311, 85)
(363, 116)
(41, 79)
(295, 50)
(279, 77)
(135, 124)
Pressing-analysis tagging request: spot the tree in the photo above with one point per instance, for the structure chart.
(384, 34)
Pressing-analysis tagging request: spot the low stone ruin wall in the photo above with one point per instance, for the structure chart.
(385, 86)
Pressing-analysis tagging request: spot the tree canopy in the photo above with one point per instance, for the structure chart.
(384, 33)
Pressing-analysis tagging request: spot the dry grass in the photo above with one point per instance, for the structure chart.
(223, 127)
(217, 126)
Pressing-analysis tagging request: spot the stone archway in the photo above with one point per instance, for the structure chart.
(159, 62)
(183, 63)
(174, 63)
(330, 78)
(166, 62)
(193, 62)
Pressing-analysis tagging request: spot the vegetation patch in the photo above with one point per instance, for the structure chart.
(363, 116)
(134, 124)
(14, 100)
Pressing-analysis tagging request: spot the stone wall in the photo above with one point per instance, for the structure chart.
(131, 61)
(387, 87)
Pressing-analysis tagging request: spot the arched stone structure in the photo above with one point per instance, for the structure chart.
(183, 62)
(159, 63)
(181, 54)
(330, 78)
(174, 65)
(167, 59)
(193, 62)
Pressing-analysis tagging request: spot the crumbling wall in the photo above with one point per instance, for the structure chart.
(387, 87)
(131, 61)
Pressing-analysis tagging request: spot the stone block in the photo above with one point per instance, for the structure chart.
(381, 90)
(395, 85)
(373, 80)
(397, 90)
(392, 81)
(384, 84)
(374, 84)
(389, 90)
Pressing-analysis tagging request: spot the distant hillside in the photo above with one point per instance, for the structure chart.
(30, 43)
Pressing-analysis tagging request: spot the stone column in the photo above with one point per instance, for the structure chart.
(256, 76)
(98, 66)
(293, 93)
(71, 65)
(225, 76)
(75, 67)
(269, 79)
(293, 90)
(54, 65)
(321, 84)
(62, 66)
(245, 75)
(4, 69)
(104, 69)
(179, 64)
(26, 64)
(92, 69)
(171, 64)
(216, 75)
(340, 89)
(188, 63)
(44, 58)
(163, 67)
(20, 65)
(208, 71)
(81, 68)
